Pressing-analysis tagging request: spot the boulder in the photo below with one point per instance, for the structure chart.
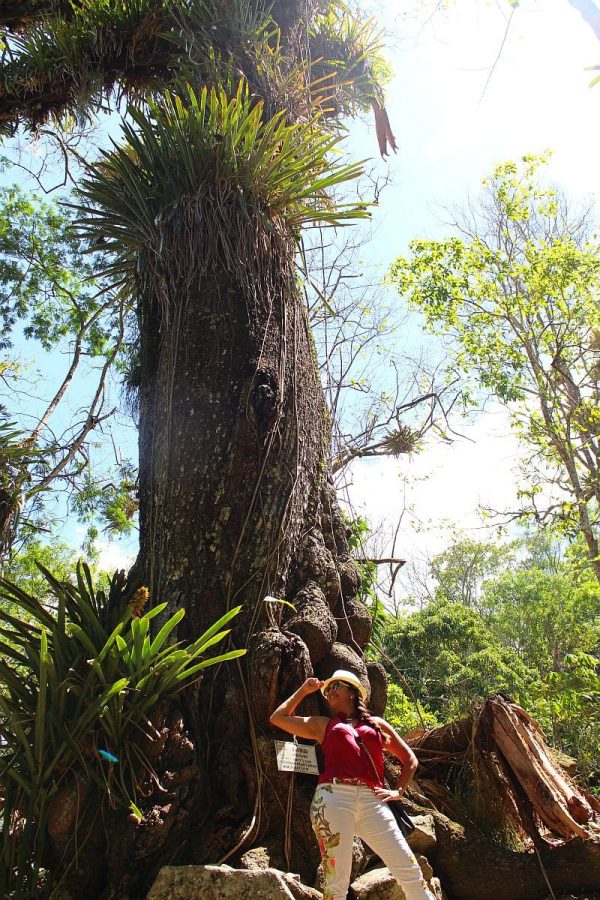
(225, 883)
(256, 858)
(425, 867)
(378, 682)
(379, 884)
(423, 837)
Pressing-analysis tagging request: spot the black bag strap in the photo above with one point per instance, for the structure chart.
(405, 823)
(364, 747)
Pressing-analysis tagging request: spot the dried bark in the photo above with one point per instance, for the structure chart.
(502, 743)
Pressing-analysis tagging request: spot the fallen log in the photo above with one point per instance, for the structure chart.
(513, 772)
(561, 806)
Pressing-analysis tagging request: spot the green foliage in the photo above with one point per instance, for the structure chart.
(492, 298)
(50, 294)
(70, 59)
(519, 293)
(530, 629)
(203, 154)
(543, 616)
(22, 567)
(115, 504)
(78, 676)
(450, 658)
(17, 454)
(347, 64)
(73, 50)
(46, 280)
(567, 704)
(462, 568)
(358, 531)
(403, 715)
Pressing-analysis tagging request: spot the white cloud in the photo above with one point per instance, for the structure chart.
(442, 489)
(113, 555)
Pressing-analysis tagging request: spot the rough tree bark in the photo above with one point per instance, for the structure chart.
(235, 506)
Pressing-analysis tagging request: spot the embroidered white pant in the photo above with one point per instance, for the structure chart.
(340, 811)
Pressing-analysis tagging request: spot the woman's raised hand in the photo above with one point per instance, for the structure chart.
(311, 685)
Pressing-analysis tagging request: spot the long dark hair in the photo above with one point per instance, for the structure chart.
(363, 713)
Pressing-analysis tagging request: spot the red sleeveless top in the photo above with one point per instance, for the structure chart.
(343, 755)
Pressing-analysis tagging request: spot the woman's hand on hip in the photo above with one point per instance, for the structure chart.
(386, 794)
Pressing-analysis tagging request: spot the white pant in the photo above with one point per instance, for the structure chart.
(340, 811)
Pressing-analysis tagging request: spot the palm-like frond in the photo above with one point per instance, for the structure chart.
(347, 63)
(206, 154)
(75, 680)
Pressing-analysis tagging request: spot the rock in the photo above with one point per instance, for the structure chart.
(436, 887)
(225, 883)
(378, 884)
(378, 682)
(354, 623)
(423, 839)
(425, 867)
(257, 858)
(298, 890)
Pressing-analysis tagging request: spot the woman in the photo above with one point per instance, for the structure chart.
(351, 798)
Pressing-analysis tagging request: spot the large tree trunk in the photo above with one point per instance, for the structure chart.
(236, 506)
(232, 428)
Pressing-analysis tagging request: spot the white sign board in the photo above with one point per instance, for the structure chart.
(296, 758)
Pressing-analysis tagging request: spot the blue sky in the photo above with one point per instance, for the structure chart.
(471, 89)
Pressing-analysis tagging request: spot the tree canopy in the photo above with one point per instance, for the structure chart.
(518, 291)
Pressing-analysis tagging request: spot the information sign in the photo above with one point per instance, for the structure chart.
(292, 757)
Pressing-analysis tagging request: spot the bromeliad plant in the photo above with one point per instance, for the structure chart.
(79, 683)
(210, 157)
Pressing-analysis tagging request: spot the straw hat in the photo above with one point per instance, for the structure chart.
(349, 678)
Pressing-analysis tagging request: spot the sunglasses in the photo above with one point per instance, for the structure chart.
(335, 684)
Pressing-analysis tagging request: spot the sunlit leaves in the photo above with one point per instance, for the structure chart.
(212, 152)
(80, 679)
(46, 282)
(519, 294)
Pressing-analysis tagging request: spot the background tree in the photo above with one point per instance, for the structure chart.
(461, 570)
(382, 398)
(449, 657)
(518, 293)
(533, 631)
(50, 296)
